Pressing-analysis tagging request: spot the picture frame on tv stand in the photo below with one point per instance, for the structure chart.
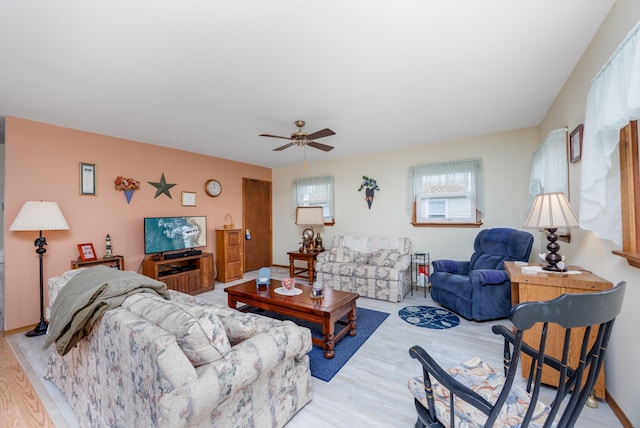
(87, 252)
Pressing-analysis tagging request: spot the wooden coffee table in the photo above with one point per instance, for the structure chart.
(326, 311)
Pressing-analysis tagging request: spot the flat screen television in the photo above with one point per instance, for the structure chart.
(166, 234)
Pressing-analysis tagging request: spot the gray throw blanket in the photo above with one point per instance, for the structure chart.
(87, 295)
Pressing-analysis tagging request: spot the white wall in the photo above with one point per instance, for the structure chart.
(2, 304)
(587, 250)
(506, 159)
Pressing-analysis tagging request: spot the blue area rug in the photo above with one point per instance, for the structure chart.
(367, 321)
(429, 316)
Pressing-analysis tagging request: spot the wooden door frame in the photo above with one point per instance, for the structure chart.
(244, 210)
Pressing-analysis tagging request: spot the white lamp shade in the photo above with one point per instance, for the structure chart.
(551, 211)
(39, 215)
(309, 216)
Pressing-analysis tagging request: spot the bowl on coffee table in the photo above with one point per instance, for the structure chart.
(288, 283)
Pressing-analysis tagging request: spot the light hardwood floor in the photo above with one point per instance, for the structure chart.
(19, 403)
(369, 391)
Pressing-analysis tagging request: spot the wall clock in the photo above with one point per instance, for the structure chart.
(213, 188)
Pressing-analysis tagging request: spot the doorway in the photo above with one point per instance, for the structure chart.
(256, 218)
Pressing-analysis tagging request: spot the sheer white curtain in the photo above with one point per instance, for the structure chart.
(313, 191)
(549, 170)
(613, 100)
(465, 173)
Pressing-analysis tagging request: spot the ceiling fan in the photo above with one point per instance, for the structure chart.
(301, 138)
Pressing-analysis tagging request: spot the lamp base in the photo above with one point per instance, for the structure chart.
(39, 330)
(553, 268)
(552, 256)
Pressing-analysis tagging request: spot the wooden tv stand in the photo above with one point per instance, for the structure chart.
(192, 275)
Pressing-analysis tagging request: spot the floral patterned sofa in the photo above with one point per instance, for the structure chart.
(378, 268)
(152, 362)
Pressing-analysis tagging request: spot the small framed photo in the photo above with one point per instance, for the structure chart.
(87, 178)
(87, 253)
(575, 144)
(188, 199)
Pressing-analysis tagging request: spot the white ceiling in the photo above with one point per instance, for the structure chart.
(209, 76)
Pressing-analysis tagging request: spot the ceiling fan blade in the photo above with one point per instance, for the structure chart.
(326, 132)
(277, 149)
(320, 146)
(274, 136)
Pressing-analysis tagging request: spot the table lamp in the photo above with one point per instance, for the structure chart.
(39, 215)
(309, 216)
(551, 211)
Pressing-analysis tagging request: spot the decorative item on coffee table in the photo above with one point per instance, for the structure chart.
(316, 291)
(264, 277)
(288, 287)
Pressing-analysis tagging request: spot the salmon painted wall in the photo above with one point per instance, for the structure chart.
(43, 162)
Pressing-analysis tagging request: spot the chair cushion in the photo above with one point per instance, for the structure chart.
(484, 380)
(384, 257)
(346, 255)
(198, 331)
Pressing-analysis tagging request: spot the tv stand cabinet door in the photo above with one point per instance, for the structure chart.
(188, 282)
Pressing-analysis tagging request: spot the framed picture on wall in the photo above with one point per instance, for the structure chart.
(575, 144)
(87, 253)
(87, 178)
(188, 199)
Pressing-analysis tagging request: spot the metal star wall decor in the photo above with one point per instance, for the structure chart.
(162, 187)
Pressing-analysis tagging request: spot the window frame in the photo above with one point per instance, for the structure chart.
(630, 194)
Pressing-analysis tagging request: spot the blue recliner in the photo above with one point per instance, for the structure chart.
(480, 289)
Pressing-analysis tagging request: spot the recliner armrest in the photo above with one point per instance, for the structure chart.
(451, 266)
(488, 276)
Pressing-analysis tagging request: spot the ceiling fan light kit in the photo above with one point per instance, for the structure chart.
(300, 138)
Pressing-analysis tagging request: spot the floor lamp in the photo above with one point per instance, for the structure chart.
(39, 215)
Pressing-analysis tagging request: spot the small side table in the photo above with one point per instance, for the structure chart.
(114, 262)
(310, 258)
(419, 260)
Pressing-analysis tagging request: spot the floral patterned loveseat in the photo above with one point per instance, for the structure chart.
(372, 267)
(146, 364)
